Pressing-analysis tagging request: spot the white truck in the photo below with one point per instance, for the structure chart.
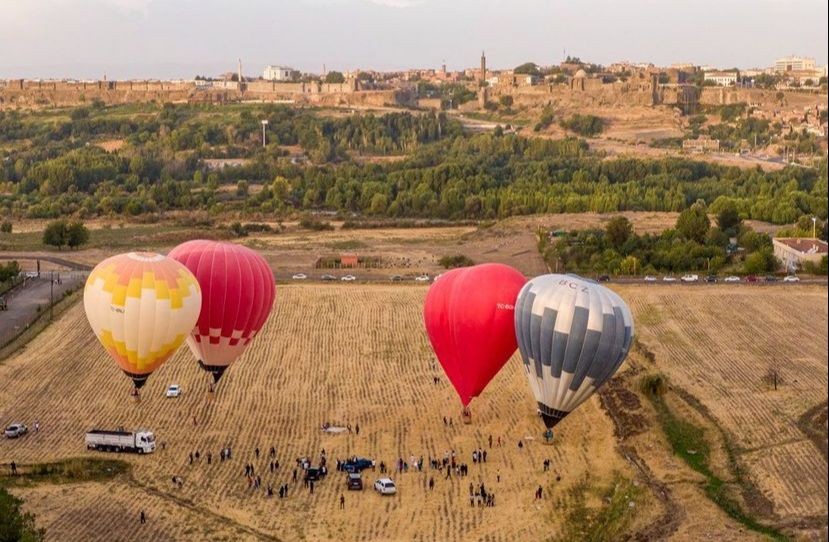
(142, 442)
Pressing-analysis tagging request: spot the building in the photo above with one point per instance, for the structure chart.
(701, 144)
(795, 251)
(349, 260)
(723, 79)
(278, 73)
(794, 63)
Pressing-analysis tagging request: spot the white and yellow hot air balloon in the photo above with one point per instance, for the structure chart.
(141, 306)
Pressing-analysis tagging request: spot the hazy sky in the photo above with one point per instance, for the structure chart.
(182, 38)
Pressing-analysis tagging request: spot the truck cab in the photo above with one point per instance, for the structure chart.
(145, 440)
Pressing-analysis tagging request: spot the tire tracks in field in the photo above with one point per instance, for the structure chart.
(184, 503)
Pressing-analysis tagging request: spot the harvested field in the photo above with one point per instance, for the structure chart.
(357, 354)
(343, 354)
(717, 344)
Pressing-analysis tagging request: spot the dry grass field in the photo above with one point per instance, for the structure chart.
(357, 354)
(717, 344)
(343, 354)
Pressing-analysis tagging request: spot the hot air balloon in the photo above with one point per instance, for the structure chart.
(469, 320)
(573, 335)
(238, 290)
(141, 307)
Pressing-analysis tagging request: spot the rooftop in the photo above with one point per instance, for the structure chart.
(804, 245)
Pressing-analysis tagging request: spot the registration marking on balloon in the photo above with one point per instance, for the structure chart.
(141, 307)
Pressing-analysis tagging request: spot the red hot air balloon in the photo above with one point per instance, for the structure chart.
(237, 296)
(469, 315)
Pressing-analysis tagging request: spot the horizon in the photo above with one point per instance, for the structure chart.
(144, 39)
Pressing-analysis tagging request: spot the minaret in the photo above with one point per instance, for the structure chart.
(483, 66)
(240, 71)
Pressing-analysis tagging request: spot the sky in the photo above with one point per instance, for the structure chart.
(126, 39)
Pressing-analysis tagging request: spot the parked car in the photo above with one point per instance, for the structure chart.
(731, 278)
(690, 278)
(668, 279)
(328, 277)
(649, 278)
(174, 390)
(349, 278)
(385, 486)
(604, 278)
(16, 430)
(752, 278)
(300, 276)
(314, 474)
(771, 278)
(396, 278)
(711, 279)
(791, 278)
(422, 278)
(357, 464)
(354, 481)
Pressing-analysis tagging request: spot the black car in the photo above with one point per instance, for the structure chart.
(604, 278)
(329, 277)
(354, 481)
(313, 474)
(356, 464)
(711, 278)
(771, 278)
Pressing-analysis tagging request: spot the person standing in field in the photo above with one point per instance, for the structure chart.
(342, 502)
(142, 517)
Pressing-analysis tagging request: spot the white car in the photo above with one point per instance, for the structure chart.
(649, 278)
(732, 278)
(791, 278)
(174, 390)
(422, 278)
(16, 430)
(300, 276)
(385, 486)
(668, 279)
(349, 278)
(690, 278)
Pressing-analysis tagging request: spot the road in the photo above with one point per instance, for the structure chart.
(24, 300)
(51, 259)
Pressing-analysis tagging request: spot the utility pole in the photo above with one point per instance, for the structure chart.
(51, 293)
(814, 227)
(264, 124)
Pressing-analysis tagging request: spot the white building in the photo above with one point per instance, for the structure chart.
(794, 64)
(724, 79)
(794, 252)
(278, 73)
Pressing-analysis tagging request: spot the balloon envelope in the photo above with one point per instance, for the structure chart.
(238, 293)
(141, 307)
(573, 335)
(469, 320)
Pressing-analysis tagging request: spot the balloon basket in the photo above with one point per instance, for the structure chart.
(547, 437)
(466, 416)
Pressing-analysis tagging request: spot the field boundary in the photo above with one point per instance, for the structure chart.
(184, 503)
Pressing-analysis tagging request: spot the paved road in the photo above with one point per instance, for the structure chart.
(24, 300)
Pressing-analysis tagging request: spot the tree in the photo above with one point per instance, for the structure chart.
(334, 77)
(9, 270)
(527, 68)
(60, 232)
(459, 260)
(728, 219)
(506, 101)
(55, 233)
(242, 189)
(76, 234)
(762, 261)
(618, 230)
(6, 227)
(773, 377)
(15, 524)
(693, 223)
(629, 265)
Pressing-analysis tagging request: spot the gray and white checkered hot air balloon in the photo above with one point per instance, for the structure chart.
(573, 334)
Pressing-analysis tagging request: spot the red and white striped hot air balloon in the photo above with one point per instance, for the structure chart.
(238, 293)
